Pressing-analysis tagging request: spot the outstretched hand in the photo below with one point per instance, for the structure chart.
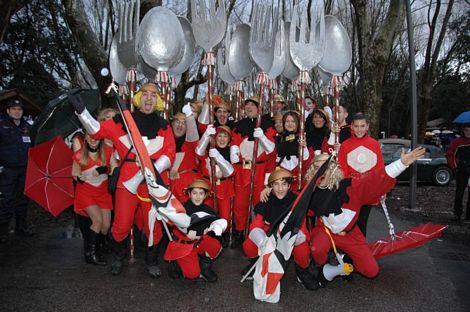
(409, 158)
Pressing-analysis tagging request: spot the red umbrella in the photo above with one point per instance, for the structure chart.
(49, 175)
(404, 240)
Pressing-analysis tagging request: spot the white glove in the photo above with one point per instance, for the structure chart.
(218, 226)
(234, 154)
(257, 236)
(187, 110)
(133, 183)
(267, 145)
(162, 163)
(90, 124)
(210, 130)
(214, 153)
(258, 133)
(225, 167)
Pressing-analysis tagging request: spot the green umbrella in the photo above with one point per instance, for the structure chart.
(58, 117)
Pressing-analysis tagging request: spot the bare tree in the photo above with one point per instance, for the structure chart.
(375, 29)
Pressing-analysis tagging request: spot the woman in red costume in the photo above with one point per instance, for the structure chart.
(91, 164)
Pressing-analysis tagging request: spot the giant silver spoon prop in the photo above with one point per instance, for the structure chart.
(160, 43)
(306, 48)
(209, 30)
(338, 58)
(239, 61)
(118, 70)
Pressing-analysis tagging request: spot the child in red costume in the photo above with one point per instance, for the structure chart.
(191, 250)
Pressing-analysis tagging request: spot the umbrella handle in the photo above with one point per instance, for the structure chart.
(387, 216)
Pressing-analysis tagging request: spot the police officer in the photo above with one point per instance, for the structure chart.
(15, 141)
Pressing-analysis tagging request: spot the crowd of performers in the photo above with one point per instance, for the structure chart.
(186, 149)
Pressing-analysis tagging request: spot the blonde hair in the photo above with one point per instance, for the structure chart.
(336, 175)
(102, 114)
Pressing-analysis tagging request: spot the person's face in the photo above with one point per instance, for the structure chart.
(93, 143)
(290, 124)
(466, 132)
(309, 105)
(318, 121)
(179, 127)
(342, 114)
(280, 188)
(278, 126)
(277, 107)
(15, 112)
(222, 115)
(222, 139)
(109, 115)
(251, 110)
(360, 127)
(197, 196)
(148, 102)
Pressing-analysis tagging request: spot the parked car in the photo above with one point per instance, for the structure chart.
(432, 167)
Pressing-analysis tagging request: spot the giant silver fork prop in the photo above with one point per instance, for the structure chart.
(209, 30)
(262, 40)
(306, 49)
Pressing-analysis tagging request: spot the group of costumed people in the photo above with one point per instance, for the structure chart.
(186, 149)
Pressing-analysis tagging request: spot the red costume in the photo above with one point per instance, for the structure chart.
(329, 141)
(94, 190)
(359, 155)
(242, 145)
(184, 169)
(265, 214)
(160, 146)
(191, 243)
(340, 214)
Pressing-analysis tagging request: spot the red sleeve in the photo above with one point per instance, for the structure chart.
(169, 146)
(107, 128)
(325, 147)
(450, 154)
(257, 222)
(372, 185)
(342, 158)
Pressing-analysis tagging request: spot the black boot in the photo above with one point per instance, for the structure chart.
(322, 281)
(100, 242)
(174, 270)
(248, 267)
(22, 227)
(205, 264)
(92, 256)
(306, 278)
(237, 239)
(119, 254)
(151, 262)
(225, 240)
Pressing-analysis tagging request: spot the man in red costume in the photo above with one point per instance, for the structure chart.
(358, 155)
(458, 158)
(241, 154)
(184, 169)
(132, 195)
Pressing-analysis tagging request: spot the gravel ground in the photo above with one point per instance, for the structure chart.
(433, 204)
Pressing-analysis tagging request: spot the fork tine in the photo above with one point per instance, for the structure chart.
(211, 10)
(137, 17)
(262, 23)
(203, 11)
(254, 24)
(313, 27)
(131, 19)
(293, 25)
(303, 28)
(121, 21)
(221, 14)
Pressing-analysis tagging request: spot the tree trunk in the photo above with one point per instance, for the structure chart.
(7, 9)
(373, 56)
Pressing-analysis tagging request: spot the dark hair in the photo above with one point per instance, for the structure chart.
(287, 179)
(311, 98)
(359, 116)
(294, 115)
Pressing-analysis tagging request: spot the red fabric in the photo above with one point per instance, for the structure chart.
(111, 130)
(353, 243)
(187, 171)
(86, 194)
(127, 205)
(351, 144)
(452, 149)
(189, 262)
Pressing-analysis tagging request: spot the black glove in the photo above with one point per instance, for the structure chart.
(102, 169)
(77, 103)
